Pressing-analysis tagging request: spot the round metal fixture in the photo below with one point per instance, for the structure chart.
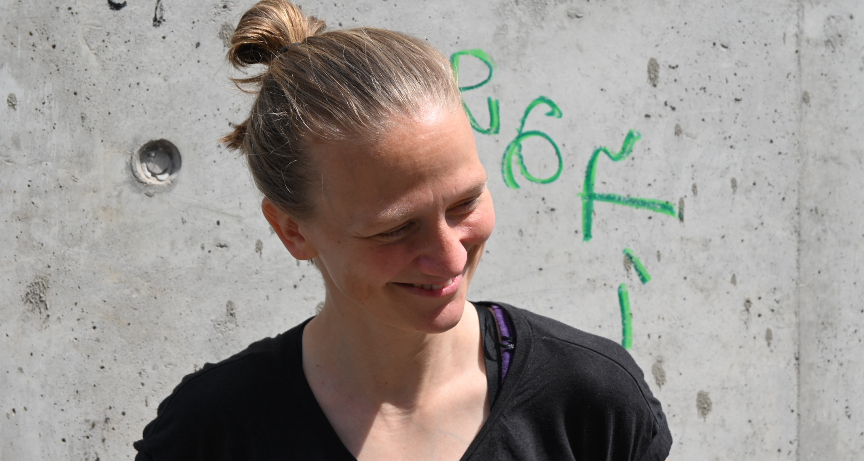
(156, 162)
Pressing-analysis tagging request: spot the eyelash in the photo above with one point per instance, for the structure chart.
(468, 203)
(395, 233)
(407, 226)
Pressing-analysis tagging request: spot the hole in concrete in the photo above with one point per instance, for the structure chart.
(156, 162)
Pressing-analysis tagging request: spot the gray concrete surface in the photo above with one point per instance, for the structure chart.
(831, 200)
(749, 330)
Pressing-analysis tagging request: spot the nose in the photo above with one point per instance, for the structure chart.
(442, 253)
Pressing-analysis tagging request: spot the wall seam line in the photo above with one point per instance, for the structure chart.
(801, 164)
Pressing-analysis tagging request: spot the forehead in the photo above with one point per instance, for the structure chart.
(417, 160)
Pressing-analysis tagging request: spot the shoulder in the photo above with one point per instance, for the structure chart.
(595, 359)
(586, 389)
(216, 382)
(591, 369)
(205, 408)
(551, 335)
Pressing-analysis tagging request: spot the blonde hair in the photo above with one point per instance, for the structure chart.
(344, 85)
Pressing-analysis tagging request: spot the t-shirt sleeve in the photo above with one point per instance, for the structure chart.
(186, 427)
(616, 394)
(210, 414)
(609, 412)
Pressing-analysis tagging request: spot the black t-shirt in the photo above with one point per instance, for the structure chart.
(568, 395)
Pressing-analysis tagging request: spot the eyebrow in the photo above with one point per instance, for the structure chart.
(396, 213)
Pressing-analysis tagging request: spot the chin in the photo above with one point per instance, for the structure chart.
(444, 318)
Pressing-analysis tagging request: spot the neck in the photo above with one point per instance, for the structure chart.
(381, 364)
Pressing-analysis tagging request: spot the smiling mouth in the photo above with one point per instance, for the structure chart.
(432, 287)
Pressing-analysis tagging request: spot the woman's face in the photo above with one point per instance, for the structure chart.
(399, 225)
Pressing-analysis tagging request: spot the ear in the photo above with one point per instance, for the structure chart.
(288, 230)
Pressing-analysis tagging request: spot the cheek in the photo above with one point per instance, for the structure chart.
(359, 272)
(480, 224)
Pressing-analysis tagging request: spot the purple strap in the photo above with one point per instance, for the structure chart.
(508, 341)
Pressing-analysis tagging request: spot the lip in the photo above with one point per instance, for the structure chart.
(448, 290)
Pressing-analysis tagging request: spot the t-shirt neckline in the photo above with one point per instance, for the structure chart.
(502, 400)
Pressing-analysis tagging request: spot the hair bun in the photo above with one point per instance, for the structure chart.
(268, 27)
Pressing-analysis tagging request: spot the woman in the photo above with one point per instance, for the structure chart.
(367, 163)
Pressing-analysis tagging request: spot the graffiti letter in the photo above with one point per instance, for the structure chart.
(626, 317)
(589, 196)
(514, 149)
(494, 120)
(643, 274)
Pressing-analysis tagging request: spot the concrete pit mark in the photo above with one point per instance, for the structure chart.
(12, 101)
(678, 130)
(116, 6)
(703, 404)
(653, 72)
(769, 336)
(226, 31)
(35, 295)
(659, 373)
(259, 247)
(695, 190)
(734, 185)
(231, 311)
(227, 323)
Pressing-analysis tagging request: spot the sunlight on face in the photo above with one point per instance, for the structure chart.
(400, 224)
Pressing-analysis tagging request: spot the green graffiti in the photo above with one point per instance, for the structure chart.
(514, 149)
(626, 317)
(494, 118)
(589, 196)
(637, 264)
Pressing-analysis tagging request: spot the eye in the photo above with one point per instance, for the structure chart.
(395, 233)
(467, 205)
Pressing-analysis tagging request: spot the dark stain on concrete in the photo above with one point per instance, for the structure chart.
(734, 280)
(681, 209)
(695, 190)
(703, 404)
(678, 130)
(769, 336)
(158, 14)
(747, 305)
(734, 185)
(116, 6)
(12, 101)
(653, 72)
(259, 247)
(805, 98)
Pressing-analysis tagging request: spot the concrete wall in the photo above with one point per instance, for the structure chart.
(831, 249)
(749, 330)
